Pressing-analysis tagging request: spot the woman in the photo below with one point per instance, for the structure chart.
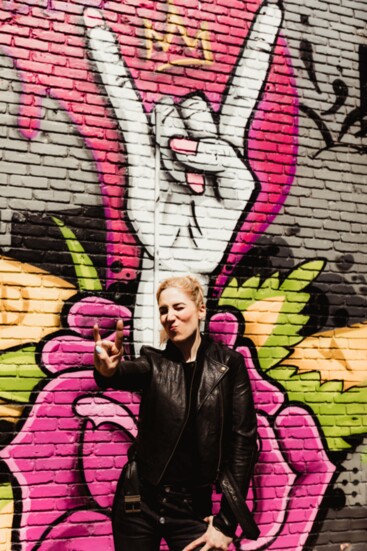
(197, 427)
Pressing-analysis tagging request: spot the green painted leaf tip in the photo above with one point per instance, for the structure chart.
(302, 275)
(286, 329)
(329, 403)
(6, 495)
(19, 374)
(86, 273)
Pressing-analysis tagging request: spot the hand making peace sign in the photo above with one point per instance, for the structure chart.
(205, 180)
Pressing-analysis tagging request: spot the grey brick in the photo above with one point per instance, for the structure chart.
(54, 150)
(48, 172)
(28, 182)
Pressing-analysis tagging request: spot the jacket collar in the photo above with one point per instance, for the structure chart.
(213, 370)
(175, 354)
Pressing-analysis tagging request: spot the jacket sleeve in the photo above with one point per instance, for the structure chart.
(243, 447)
(132, 375)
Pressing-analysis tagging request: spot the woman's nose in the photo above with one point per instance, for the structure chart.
(170, 315)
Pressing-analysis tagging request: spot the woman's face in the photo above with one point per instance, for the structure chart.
(179, 314)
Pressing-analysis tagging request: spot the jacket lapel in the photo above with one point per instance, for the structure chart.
(213, 372)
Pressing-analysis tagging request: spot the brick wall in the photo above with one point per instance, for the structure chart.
(144, 139)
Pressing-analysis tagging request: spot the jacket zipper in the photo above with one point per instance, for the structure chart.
(221, 434)
(184, 424)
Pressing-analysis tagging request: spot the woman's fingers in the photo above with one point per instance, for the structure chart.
(106, 347)
(119, 336)
(96, 334)
(107, 354)
(193, 545)
(101, 351)
(106, 361)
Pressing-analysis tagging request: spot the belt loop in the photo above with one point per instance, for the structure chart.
(132, 503)
(132, 499)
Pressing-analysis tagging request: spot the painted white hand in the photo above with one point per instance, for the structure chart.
(205, 179)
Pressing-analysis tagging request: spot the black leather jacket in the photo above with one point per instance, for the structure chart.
(226, 420)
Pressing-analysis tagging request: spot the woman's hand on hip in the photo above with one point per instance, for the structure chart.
(107, 354)
(213, 539)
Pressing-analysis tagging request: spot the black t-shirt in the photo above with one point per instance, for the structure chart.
(183, 466)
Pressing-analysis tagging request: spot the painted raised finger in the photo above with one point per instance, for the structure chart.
(118, 82)
(133, 121)
(250, 74)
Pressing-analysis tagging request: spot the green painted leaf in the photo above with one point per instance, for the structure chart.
(340, 414)
(270, 284)
(302, 276)
(291, 319)
(19, 374)
(86, 273)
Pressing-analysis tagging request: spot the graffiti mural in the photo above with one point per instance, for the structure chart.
(145, 139)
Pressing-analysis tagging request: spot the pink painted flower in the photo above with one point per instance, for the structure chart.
(293, 470)
(66, 461)
(68, 456)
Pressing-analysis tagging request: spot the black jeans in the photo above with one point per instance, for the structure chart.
(169, 512)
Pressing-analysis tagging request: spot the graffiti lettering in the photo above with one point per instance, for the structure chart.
(340, 90)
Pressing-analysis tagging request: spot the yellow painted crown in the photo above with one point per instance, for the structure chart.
(199, 46)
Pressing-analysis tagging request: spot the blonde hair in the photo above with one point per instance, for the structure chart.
(190, 285)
